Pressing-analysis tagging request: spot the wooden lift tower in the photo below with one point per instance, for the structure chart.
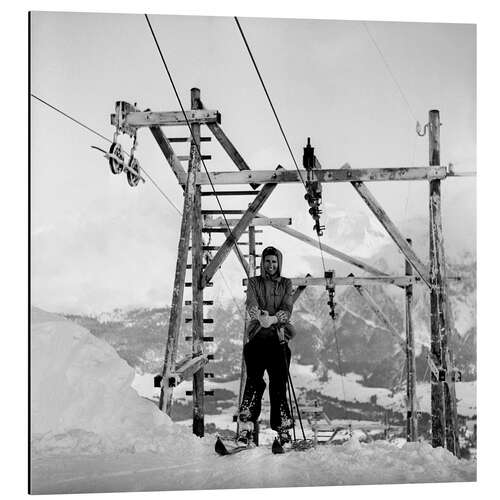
(196, 222)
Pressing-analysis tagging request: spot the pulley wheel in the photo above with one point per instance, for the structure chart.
(133, 172)
(116, 150)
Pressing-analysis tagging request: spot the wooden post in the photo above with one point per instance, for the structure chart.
(197, 263)
(444, 425)
(168, 372)
(411, 382)
(251, 274)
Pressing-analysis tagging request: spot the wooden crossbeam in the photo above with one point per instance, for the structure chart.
(187, 139)
(391, 228)
(168, 118)
(256, 221)
(380, 314)
(401, 281)
(241, 226)
(228, 193)
(190, 367)
(330, 250)
(168, 152)
(325, 175)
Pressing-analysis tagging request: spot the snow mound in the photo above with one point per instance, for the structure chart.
(82, 400)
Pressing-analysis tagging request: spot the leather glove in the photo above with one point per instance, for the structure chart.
(266, 321)
(254, 312)
(282, 316)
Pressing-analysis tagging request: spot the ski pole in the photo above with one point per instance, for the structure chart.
(290, 385)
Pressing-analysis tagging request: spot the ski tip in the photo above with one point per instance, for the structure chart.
(277, 448)
(220, 448)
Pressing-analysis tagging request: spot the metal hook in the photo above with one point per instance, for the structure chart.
(419, 129)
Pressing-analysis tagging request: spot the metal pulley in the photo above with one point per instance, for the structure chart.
(133, 172)
(115, 158)
(330, 288)
(313, 187)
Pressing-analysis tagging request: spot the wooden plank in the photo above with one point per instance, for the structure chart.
(325, 175)
(330, 250)
(168, 118)
(380, 314)
(168, 152)
(241, 226)
(353, 280)
(229, 193)
(217, 212)
(229, 148)
(197, 289)
(191, 367)
(256, 221)
(165, 403)
(187, 139)
(393, 231)
(299, 291)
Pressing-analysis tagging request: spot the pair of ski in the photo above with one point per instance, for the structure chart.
(231, 447)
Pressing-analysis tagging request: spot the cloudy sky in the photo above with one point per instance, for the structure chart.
(99, 244)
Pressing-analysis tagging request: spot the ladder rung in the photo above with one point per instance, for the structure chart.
(186, 157)
(205, 339)
(207, 393)
(205, 303)
(186, 139)
(218, 212)
(229, 193)
(188, 285)
(205, 320)
(223, 230)
(205, 247)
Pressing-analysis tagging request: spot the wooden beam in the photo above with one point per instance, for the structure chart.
(165, 403)
(390, 227)
(380, 314)
(411, 370)
(189, 368)
(228, 193)
(400, 281)
(168, 152)
(251, 274)
(325, 175)
(299, 291)
(330, 250)
(228, 147)
(443, 403)
(168, 118)
(197, 289)
(256, 221)
(241, 226)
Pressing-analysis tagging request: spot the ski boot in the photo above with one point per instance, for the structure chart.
(245, 435)
(281, 441)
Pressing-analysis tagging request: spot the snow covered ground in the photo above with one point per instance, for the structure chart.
(92, 432)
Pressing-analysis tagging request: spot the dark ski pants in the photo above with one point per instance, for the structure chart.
(264, 352)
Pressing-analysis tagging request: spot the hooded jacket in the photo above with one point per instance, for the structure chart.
(271, 294)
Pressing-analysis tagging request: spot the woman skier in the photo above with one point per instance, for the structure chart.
(269, 305)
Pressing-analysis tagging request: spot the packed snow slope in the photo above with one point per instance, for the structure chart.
(91, 432)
